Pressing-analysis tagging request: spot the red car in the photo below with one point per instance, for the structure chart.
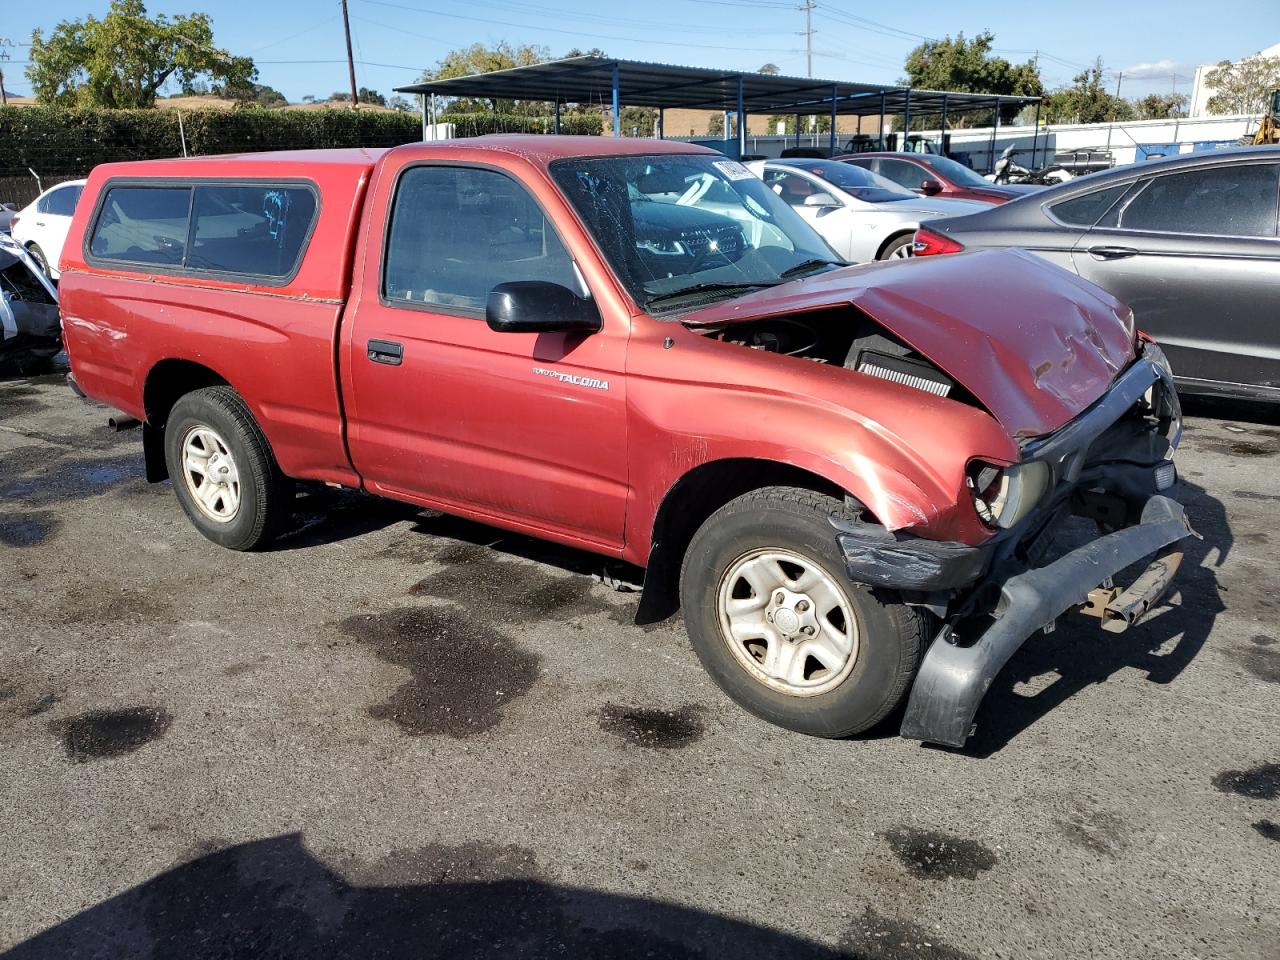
(636, 348)
(935, 176)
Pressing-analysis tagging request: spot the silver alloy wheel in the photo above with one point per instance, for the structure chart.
(904, 252)
(210, 473)
(787, 623)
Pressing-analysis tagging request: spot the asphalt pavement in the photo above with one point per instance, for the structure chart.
(403, 735)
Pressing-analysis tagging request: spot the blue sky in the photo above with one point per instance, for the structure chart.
(299, 48)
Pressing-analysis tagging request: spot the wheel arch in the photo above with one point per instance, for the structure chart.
(167, 382)
(894, 238)
(696, 495)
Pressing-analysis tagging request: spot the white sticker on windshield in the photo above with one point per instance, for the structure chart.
(733, 169)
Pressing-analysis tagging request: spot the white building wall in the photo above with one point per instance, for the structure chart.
(1201, 91)
(1123, 140)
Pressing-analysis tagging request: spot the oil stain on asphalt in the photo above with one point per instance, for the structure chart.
(462, 672)
(98, 734)
(939, 856)
(876, 937)
(657, 729)
(1261, 661)
(1257, 783)
(27, 530)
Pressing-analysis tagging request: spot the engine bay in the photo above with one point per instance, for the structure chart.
(833, 337)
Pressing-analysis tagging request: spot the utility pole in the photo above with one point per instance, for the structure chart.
(4, 97)
(351, 64)
(808, 36)
(1119, 77)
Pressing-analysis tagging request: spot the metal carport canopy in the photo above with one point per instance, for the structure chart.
(617, 83)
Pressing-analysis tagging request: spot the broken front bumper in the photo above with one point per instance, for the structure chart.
(953, 679)
(1108, 464)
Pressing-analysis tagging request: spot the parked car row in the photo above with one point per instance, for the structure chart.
(1190, 243)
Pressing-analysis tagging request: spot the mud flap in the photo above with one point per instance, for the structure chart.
(953, 679)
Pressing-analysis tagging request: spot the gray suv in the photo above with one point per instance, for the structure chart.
(1190, 243)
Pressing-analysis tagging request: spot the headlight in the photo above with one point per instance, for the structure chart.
(1152, 352)
(1004, 495)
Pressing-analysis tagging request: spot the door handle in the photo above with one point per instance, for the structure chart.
(386, 351)
(1112, 253)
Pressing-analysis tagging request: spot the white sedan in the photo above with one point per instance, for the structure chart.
(860, 214)
(41, 226)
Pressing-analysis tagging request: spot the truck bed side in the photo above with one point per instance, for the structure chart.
(134, 333)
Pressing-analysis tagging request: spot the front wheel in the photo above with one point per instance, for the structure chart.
(900, 249)
(222, 470)
(780, 627)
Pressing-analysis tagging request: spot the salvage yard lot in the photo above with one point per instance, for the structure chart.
(399, 734)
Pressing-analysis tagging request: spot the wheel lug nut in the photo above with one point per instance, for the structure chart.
(807, 630)
(769, 617)
(779, 598)
(802, 606)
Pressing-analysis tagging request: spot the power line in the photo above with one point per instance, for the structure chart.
(573, 33)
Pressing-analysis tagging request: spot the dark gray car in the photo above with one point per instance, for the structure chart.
(1190, 243)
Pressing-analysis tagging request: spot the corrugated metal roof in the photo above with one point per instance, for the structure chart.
(640, 84)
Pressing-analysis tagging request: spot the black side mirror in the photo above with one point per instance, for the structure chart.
(930, 188)
(536, 306)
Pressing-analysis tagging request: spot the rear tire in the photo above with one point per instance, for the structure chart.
(41, 260)
(223, 471)
(779, 626)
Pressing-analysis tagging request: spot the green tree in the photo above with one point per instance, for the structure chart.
(769, 70)
(642, 120)
(968, 66)
(1087, 100)
(1161, 106)
(478, 58)
(1245, 86)
(398, 103)
(124, 59)
(371, 96)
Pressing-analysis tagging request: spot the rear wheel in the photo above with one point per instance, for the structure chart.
(223, 471)
(38, 256)
(900, 249)
(780, 627)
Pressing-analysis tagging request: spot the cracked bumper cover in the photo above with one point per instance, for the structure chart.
(953, 679)
(1101, 450)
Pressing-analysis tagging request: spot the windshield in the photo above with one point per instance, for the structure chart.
(955, 172)
(859, 182)
(668, 224)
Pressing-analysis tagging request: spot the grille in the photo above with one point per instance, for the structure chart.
(903, 370)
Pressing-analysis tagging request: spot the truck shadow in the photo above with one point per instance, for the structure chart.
(272, 899)
(1081, 655)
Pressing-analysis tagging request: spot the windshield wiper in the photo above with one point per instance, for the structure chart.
(809, 265)
(710, 285)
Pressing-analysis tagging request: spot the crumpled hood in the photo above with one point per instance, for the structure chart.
(1034, 343)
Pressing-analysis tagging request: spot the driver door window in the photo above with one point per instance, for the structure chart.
(902, 173)
(458, 232)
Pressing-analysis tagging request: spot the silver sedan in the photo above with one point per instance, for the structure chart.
(860, 214)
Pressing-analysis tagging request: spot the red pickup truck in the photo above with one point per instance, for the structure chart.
(850, 477)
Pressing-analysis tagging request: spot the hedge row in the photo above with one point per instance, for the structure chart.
(55, 141)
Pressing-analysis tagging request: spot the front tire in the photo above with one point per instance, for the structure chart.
(779, 626)
(900, 249)
(223, 472)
